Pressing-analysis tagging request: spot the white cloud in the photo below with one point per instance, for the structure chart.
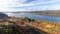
(7, 5)
(36, 2)
(21, 2)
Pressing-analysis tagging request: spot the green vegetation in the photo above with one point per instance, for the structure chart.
(4, 29)
(28, 26)
(17, 27)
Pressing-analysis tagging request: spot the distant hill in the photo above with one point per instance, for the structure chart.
(3, 17)
(45, 12)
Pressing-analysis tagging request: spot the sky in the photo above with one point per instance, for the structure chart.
(28, 5)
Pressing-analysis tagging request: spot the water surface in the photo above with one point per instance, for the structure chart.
(34, 16)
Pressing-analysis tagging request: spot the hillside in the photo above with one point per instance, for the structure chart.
(30, 26)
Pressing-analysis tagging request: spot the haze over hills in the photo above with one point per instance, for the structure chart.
(32, 11)
(46, 12)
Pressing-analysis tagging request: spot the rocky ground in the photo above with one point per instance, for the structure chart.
(17, 26)
(24, 25)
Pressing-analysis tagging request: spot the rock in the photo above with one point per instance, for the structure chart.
(30, 20)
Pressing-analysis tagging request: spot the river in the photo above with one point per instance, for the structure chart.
(35, 16)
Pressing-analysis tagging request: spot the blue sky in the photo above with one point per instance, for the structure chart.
(29, 5)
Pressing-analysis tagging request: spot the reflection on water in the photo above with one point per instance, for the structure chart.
(34, 16)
